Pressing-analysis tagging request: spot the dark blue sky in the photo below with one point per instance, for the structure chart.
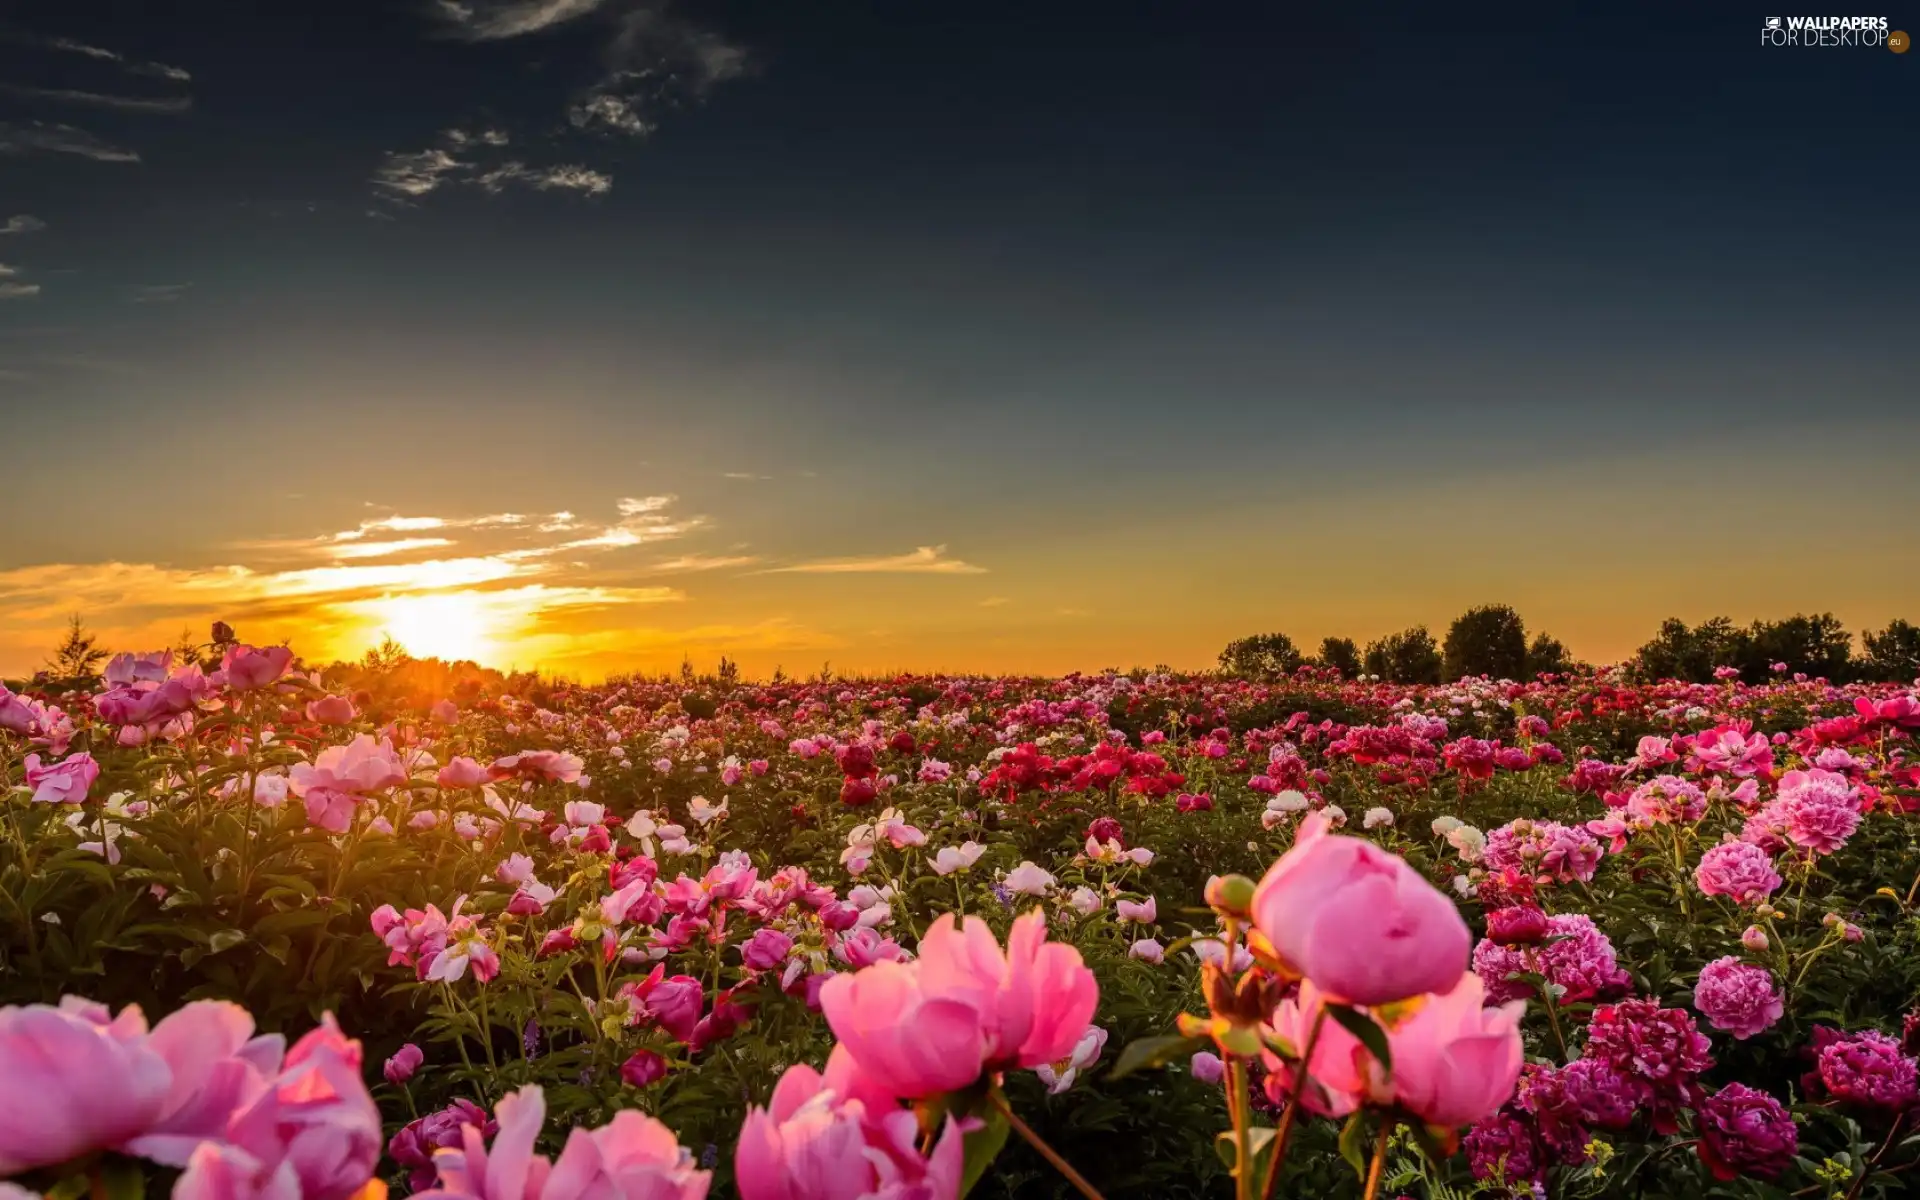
(1044, 282)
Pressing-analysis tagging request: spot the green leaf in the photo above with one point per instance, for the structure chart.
(1353, 1142)
(1143, 1053)
(983, 1146)
(225, 939)
(1364, 1027)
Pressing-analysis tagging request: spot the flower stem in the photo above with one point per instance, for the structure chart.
(1292, 1112)
(1379, 1157)
(1047, 1152)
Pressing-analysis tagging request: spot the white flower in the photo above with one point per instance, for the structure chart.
(1059, 1076)
(1148, 950)
(1335, 815)
(957, 858)
(1084, 901)
(1028, 880)
(1289, 801)
(700, 810)
(1442, 826)
(1213, 951)
(1376, 817)
(1463, 885)
(641, 827)
(1468, 842)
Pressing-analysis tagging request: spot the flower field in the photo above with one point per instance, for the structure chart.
(1119, 935)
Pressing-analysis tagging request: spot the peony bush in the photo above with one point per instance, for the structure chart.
(920, 938)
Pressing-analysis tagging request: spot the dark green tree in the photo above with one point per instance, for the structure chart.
(79, 654)
(1546, 656)
(1340, 654)
(1818, 645)
(1677, 652)
(1263, 656)
(1893, 654)
(1410, 656)
(1488, 640)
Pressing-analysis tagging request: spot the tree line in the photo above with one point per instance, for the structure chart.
(1491, 640)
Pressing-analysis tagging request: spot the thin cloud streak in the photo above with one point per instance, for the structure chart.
(169, 105)
(39, 137)
(926, 560)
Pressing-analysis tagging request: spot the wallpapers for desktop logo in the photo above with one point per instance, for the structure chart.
(1872, 32)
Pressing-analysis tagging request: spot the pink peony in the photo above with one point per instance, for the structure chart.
(632, 1157)
(74, 1080)
(1455, 1059)
(1358, 921)
(1740, 871)
(1745, 1132)
(64, 782)
(832, 1138)
(1579, 958)
(1736, 998)
(248, 668)
(341, 776)
(963, 1007)
(315, 1116)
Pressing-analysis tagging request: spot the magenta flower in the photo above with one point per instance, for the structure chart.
(1745, 1132)
(341, 776)
(414, 1145)
(316, 1116)
(405, 1061)
(1868, 1068)
(1658, 1048)
(1578, 958)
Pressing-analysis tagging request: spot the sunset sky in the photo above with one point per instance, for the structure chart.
(592, 334)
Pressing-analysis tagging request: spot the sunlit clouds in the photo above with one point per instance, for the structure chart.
(558, 590)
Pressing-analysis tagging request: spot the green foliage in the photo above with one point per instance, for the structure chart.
(1409, 656)
(1263, 656)
(79, 655)
(1892, 654)
(1341, 655)
(1490, 640)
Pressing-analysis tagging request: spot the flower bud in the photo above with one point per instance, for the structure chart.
(1755, 939)
(1231, 895)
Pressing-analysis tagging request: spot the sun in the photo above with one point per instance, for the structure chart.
(445, 625)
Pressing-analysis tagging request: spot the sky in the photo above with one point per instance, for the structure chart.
(592, 335)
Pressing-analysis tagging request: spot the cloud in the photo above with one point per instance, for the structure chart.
(417, 173)
(23, 223)
(926, 560)
(570, 177)
(18, 291)
(38, 136)
(994, 602)
(171, 105)
(702, 562)
(403, 175)
(604, 111)
(494, 20)
(154, 293)
(387, 549)
(132, 65)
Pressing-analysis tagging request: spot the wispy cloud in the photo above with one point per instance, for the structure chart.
(170, 105)
(154, 293)
(133, 65)
(702, 562)
(22, 223)
(926, 560)
(40, 137)
(570, 177)
(10, 290)
(494, 20)
(356, 550)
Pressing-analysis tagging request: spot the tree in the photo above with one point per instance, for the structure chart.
(1893, 654)
(1488, 640)
(1263, 656)
(79, 654)
(1342, 655)
(1546, 656)
(1818, 645)
(1409, 656)
(1677, 652)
